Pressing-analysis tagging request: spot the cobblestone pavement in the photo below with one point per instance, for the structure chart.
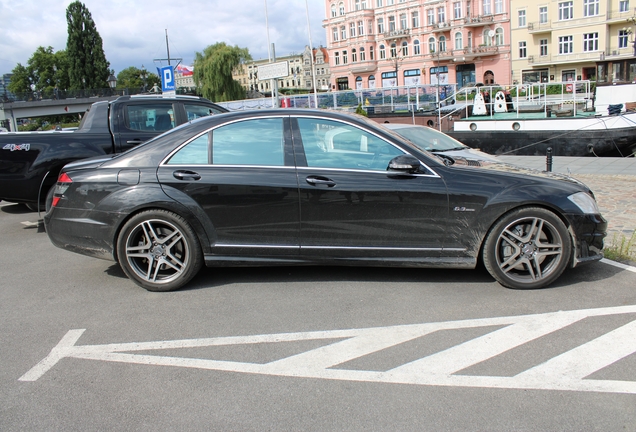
(616, 197)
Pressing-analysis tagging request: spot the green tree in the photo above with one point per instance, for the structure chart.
(44, 71)
(88, 67)
(130, 78)
(213, 71)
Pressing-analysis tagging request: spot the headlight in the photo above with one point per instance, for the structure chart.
(585, 202)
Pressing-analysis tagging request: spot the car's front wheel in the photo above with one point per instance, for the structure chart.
(527, 248)
(159, 250)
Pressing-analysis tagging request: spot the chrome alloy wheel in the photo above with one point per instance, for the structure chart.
(529, 249)
(157, 251)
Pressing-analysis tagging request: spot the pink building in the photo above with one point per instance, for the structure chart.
(387, 43)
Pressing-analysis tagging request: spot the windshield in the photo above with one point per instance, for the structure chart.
(428, 139)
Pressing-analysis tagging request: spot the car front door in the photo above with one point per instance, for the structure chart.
(242, 176)
(351, 206)
(139, 122)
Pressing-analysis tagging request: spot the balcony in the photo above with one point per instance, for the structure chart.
(440, 27)
(397, 34)
(478, 20)
(558, 59)
(539, 27)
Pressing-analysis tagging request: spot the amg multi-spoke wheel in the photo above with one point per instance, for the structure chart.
(527, 248)
(158, 250)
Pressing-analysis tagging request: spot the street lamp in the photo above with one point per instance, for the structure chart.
(112, 80)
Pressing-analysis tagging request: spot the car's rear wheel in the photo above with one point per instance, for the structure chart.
(527, 248)
(159, 251)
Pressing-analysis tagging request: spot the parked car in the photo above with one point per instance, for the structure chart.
(31, 161)
(435, 141)
(313, 187)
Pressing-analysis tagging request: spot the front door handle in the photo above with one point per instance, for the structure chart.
(186, 175)
(320, 181)
(135, 142)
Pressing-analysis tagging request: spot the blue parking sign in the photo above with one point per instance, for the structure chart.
(167, 79)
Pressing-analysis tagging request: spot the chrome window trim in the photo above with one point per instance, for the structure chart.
(433, 175)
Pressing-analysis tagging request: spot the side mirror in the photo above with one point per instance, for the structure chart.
(404, 164)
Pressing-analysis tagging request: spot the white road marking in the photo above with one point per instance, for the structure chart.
(567, 371)
(619, 265)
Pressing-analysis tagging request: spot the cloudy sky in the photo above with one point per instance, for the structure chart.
(134, 31)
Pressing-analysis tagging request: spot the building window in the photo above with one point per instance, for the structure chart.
(335, 34)
(459, 41)
(487, 10)
(566, 10)
(622, 38)
(391, 23)
(430, 16)
(499, 36)
(344, 57)
(441, 14)
(543, 14)
(405, 49)
(378, 3)
(416, 47)
(522, 18)
(371, 54)
(415, 19)
(499, 6)
(343, 32)
(442, 43)
(543, 47)
(470, 39)
(590, 8)
(382, 52)
(457, 10)
(336, 58)
(352, 29)
(431, 45)
(487, 39)
(364, 4)
(354, 56)
(360, 28)
(623, 6)
(403, 25)
(393, 50)
(523, 53)
(357, 5)
(380, 25)
(363, 56)
(590, 42)
(334, 12)
(341, 8)
(565, 45)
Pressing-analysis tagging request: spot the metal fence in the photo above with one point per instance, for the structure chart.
(56, 94)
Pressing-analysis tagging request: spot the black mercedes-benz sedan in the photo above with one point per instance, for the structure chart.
(315, 187)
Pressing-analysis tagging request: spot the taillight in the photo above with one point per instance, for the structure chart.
(63, 182)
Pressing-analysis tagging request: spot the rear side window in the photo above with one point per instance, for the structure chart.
(193, 153)
(250, 142)
(150, 117)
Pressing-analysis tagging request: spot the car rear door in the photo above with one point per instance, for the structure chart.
(351, 206)
(141, 120)
(242, 175)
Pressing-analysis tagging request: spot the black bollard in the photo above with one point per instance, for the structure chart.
(548, 160)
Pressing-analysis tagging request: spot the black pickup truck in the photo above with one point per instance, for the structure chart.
(30, 161)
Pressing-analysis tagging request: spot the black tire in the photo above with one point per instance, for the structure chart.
(527, 248)
(159, 251)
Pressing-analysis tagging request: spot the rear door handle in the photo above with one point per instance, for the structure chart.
(186, 175)
(134, 142)
(320, 181)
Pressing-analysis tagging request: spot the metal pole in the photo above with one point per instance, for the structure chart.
(167, 47)
(311, 61)
(548, 160)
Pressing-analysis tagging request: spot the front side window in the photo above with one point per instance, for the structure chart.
(249, 142)
(565, 45)
(331, 144)
(566, 10)
(150, 117)
(195, 111)
(590, 42)
(590, 7)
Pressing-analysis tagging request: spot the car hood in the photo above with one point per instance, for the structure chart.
(506, 168)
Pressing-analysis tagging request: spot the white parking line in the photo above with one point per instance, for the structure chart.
(567, 371)
(619, 265)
